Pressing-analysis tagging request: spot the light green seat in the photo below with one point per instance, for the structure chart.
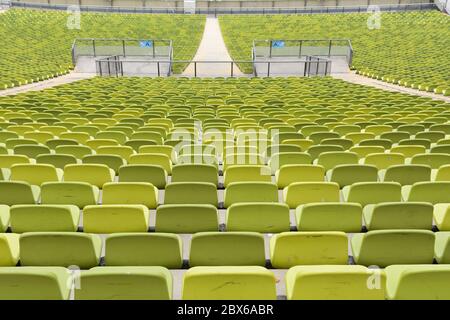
(250, 192)
(148, 249)
(434, 160)
(153, 174)
(387, 247)
(4, 217)
(433, 192)
(288, 249)
(35, 174)
(186, 218)
(335, 283)
(372, 192)
(383, 160)
(292, 173)
(77, 151)
(363, 151)
(95, 174)
(37, 218)
(157, 159)
(406, 174)
(347, 174)
(57, 160)
(16, 192)
(441, 214)
(226, 283)
(167, 150)
(418, 282)
(398, 215)
(408, 151)
(441, 174)
(306, 192)
(316, 150)
(80, 194)
(442, 247)
(278, 160)
(122, 151)
(125, 283)
(130, 193)
(111, 218)
(329, 216)
(112, 161)
(261, 217)
(60, 249)
(35, 283)
(195, 173)
(227, 249)
(246, 173)
(191, 193)
(329, 160)
(9, 249)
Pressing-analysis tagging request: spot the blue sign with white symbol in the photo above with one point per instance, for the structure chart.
(278, 44)
(146, 44)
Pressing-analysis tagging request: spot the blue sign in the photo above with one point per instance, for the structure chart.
(278, 44)
(146, 44)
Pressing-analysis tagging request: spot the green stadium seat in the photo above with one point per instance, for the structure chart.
(288, 249)
(191, 193)
(149, 249)
(9, 249)
(388, 247)
(306, 192)
(125, 283)
(31, 151)
(246, 173)
(433, 160)
(186, 218)
(111, 218)
(95, 174)
(433, 136)
(112, 161)
(158, 159)
(441, 215)
(335, 283)
(220, 249)
(442, 149)
(59, 161)
(442, 247)
(347, 174)
(261, 217)
(316, 150)
(441, 174)
(60, 249)
(4, 218)
(278, 160)
(329, 160)
(250, 192)
(384, 160)
(225, 283)
(167, 150)
(292, 173)
(329, 216)
(406, 174)
(433, 192)
(408, 151)
(37, 218)
(398, 215)
(80, 194)
(195, 173)
(385, 143)
(153, 174)
(77, 151)
(35, 174)
(363, 151)
(34, 283)
(418, 282)
(18, 193)
(366, 193)
(130, 193)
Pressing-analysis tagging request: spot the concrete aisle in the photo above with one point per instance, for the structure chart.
(356, 78)
(212, 48)
(41, 85)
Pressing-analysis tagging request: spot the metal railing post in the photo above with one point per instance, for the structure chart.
(231, 69)
(159, 73)
(123, 46)
(268, 69)
(270, 49)
(329, 49)
(93, 47)
(195, 69)
(300, 49)
(153, 47)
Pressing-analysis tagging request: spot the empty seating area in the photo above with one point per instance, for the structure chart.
(297, 188)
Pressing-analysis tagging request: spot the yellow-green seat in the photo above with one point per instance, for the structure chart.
(191, 192)
(57, 160)
(8, 160)
(347, 174)
(158, 159)
(441, 214)
(306, 192)
(35, 283)
(17, 192)
(31, 151)
(383, 160)
(388, 247)
(227, 249)
(186, 218)
(125, 283)
(225, 283)
(95, 174)
(372, 192)
(37, 218)
(80, 194)
(398, 215)
(144, 249)
(442, 247)
(434, 160)
(418, 282)
(35, 174)
(331, 159)
(9, 249)
(63, 249)
(250, 192)
(406, 174)
(278, 160)
(195, 173)
(153, 174)
(334, 282)
(112, 161)
(262, 217)
(111, 218)
(167, 150)
(433, 192)
(329, 216)
(288, 249)
(130, 193)
(292, 173)
(4, 217)
(363, 151)
(77, 151)
(246, 173)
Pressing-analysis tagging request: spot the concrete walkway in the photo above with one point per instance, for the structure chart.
(212, 48)
(356, 78)
(41, 85)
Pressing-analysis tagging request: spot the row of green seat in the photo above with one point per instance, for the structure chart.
(287, 249)
(397, 282)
